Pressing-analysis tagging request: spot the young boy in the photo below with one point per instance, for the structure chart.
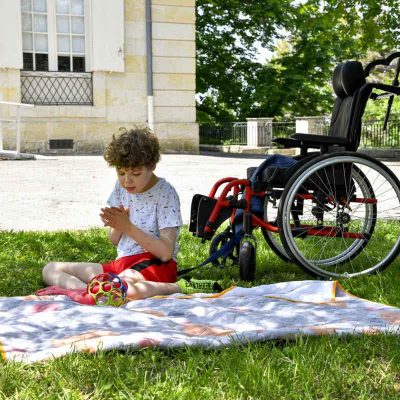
(144, 218)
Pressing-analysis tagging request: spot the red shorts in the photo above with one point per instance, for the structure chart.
(152, 268)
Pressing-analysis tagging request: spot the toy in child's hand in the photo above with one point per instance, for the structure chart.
(108, 289)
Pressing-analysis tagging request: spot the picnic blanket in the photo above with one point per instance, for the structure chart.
(36, 328)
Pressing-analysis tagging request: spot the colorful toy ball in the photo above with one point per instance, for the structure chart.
(108, 289)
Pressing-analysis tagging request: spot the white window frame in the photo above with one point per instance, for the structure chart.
(52, 35)
(33, 33)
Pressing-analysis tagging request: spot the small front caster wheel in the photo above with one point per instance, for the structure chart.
(247, 261)
(217, 243)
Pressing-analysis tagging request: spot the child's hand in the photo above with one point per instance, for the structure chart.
(116, 217)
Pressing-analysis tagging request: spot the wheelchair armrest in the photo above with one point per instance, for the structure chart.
(294, 141)
(287, 143)
(291, 143)
(311, 140)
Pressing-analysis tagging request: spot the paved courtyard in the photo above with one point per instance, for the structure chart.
(67, 192)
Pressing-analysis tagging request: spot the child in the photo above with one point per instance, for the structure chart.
(144, 218)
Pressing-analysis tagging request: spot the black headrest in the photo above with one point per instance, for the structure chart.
(347, 78)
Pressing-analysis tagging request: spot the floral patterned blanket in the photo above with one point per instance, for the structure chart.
(35, 328)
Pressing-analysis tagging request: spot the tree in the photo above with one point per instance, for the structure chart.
(315, 35)
(227, 72)
(328, 32)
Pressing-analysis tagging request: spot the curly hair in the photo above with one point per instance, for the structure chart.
(133, 148)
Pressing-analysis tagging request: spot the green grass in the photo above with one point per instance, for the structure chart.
(351, 367)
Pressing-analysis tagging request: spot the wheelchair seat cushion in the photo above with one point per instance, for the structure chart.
(268, 170)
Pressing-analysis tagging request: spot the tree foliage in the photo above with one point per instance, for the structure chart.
(227, 72)
(307, 39)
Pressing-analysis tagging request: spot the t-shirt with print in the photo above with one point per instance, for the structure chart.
(150, 211)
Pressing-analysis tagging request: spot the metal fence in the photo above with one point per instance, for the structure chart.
(235, 133)
(56, 88)
(230, 133)
(373, 134)
(224, 134)
(283, 129)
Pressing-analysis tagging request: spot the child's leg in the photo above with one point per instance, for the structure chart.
(70, 275)
(131, 276)
(139, 288)
(143, 289)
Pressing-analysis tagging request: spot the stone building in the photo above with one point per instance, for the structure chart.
(93, 66)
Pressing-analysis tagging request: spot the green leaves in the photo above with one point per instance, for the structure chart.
(226, 66)
(308, 38)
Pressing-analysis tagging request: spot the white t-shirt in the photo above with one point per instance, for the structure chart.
(150, 211)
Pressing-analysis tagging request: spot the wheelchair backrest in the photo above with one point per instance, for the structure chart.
(347, 81)
(352, 91)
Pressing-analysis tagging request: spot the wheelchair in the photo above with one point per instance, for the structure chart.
(331, 210)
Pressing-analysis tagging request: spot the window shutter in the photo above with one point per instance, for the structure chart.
(108, 35)
(10, 34)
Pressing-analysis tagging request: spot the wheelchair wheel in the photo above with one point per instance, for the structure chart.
(339, 216)
(273, 239)
(247, 261)
(218, 241)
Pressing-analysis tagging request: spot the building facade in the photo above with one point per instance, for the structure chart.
(93, 66)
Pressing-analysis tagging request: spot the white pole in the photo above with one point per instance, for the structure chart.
(149, 55)
(1, 129)
(1, 136)
(150, 112)
(18, 131)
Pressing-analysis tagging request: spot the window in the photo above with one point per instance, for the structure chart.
(70, 28)
(53, 35)
(34, 35)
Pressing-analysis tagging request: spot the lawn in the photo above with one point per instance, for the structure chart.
(351, 367)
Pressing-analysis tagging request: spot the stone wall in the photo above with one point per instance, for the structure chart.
(120, 99)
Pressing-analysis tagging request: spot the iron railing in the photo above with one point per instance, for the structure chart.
(57, 88)
(227, 133)
(283, 128)
(372, 134)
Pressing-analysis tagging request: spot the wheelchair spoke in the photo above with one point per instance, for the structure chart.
(339, 216)
(270, 210)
